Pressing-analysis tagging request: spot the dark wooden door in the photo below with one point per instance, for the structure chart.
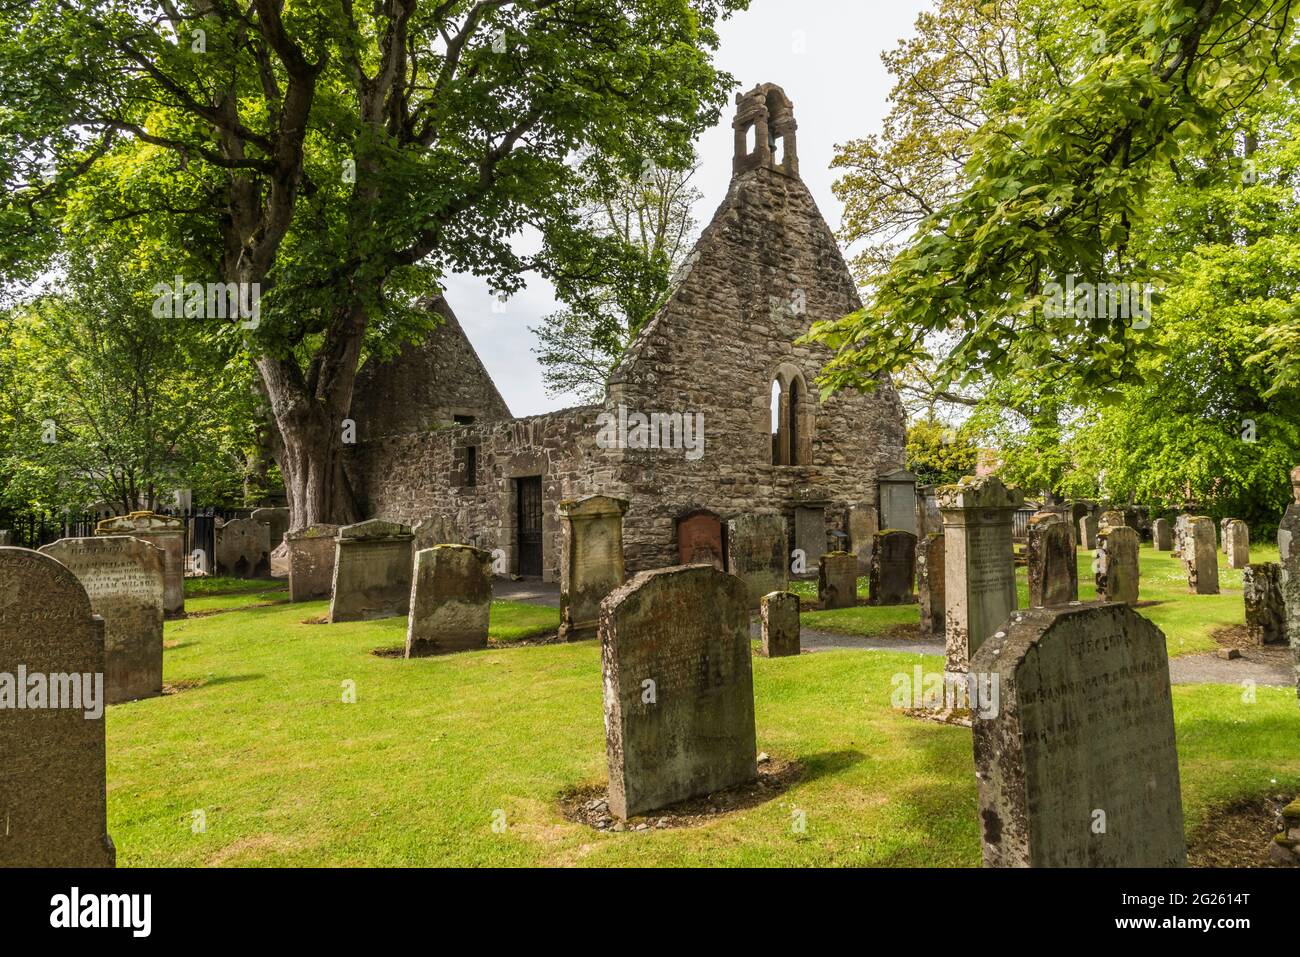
(528, 522)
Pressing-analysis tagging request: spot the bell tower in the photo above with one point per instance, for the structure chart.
(765, 131)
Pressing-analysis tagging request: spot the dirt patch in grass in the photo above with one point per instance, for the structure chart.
(958, 717)
(184, 684)
(1236, 636)
(1238, 834)
(548, 638)
(318, 620)
(395, 651)
(589, 805)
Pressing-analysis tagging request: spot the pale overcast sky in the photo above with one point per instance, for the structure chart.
(825, 54)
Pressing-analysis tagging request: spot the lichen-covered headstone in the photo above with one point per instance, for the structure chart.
(1162, 535)
(1111, 518)
(1115, 565)
(451, 600)
(757, 554)
(1236, 542)
(311, 561)
(169, 535)
(980, 570)
(591, 563)
(372, 571)
(1181, 525)
(1201, 556)
(124, 579)
(1261, 589)
(1053, 568)
(930, 584)
(837, 580)
(893, 568)
(679, 692)
(780, 617)
(1078, 767)
(52, 747)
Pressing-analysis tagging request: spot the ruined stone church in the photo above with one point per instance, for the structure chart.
(437, 442)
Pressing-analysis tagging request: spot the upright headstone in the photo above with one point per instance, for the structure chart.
(592, 562)
(124, 579)
(1201, 557)
(780, 617)
(1261, 589)
(1088, 532)
(451, 600)
(1236, 542)
(893, 568)
(679, 693)
(1288, 544)
(980, 570)
(52, 748)
(699, 539)
(927, 501)
(311, 561)
(930, 582)
(757, 554)
(1111, 518)
(1116, 569)
(810, 533)
(372, 571)
(169, 535)
(429, 532)
(896, 494)
(837, 580)
(1162, 536)
(863, 522)
(1053, 567)
(1181, 525)
(244, 549)
(280, 560)
(276, 520)
(1078, 767)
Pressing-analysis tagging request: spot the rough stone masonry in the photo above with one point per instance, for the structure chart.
(1079, 766)
(679, 692)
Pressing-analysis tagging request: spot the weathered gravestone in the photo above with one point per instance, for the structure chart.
(810, 534)
(276, 520)
(1162, 536)
(757, 554)
(837, 580)
(930, 570)
(311, 561)
(372, 571)
(1115, 566)
(451, 599)
(52, 748)
(1079, 766)
(679, 694)
(1053, 567)
(280, 560)
(780, 617)
(699, 539)
(169, 535)
(1236, 542)
(592, 562)
(893, 568)
(1261, 589)
(863, 523)
(123, 578)
(1111, 518)
(1201, 557)
(433, 531)
(1088, 532)
(896, 494)
(243, 549)
(980, 571)
(1288, 544)
(1181, 524)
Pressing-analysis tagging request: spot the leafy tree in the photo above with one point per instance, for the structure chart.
(939, 454)
(648, 224)
(343, 159)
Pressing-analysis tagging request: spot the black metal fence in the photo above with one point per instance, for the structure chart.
(34, 529)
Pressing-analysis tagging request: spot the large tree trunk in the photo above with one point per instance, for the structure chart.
(309, 412)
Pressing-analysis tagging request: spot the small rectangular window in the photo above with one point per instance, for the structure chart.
(471, 465)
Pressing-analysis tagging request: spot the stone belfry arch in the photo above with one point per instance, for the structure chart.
(769, 113)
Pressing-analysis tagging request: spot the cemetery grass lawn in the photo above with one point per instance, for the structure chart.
(1188, 621)
(287, 774)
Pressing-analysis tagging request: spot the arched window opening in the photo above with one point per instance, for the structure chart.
(791, 418)
(776, 422)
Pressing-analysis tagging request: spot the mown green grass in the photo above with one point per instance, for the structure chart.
(412, 773)
(1188, 621)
